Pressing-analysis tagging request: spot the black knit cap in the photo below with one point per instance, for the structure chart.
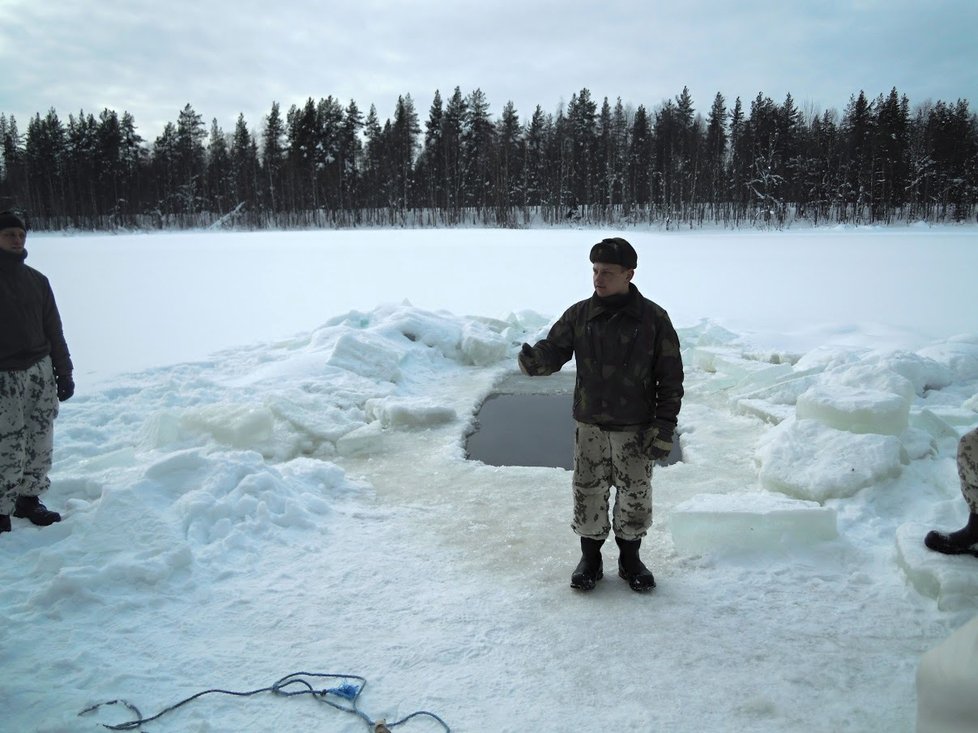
(615, 251)
(10, 220)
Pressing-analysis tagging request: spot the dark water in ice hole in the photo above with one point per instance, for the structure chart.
(528, 430)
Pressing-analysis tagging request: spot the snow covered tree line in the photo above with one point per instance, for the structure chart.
(324, 164)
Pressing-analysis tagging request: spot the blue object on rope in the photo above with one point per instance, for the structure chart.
(347, 691)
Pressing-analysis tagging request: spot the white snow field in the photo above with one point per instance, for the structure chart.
(263, 472)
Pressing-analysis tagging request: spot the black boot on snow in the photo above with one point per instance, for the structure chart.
(4, 522)
(589, 570)
(962, 542)
(31, 508)
(631, 567)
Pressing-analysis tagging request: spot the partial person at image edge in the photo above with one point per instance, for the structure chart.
(35, 375)
(627, 396)
(965, 540)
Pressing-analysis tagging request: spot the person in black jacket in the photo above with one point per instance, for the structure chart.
(627, 396)
(35, 374)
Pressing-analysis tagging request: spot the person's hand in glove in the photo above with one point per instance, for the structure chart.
(528, 361)
(661, 445)
(66, 386)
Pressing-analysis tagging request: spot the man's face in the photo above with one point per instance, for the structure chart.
(610, 279)
(12, 240)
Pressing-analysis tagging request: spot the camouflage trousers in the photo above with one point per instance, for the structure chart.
(968, 468)
(28, 406)
(606, 458)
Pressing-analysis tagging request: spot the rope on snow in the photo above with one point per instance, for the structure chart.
(342, 697)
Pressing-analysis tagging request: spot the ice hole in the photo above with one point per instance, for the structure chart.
(528, 422)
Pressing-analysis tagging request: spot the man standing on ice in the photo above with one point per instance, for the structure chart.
(627, 396)
(965, 540)
(35, 373)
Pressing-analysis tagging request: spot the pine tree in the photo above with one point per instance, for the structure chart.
(134, 170)
(477, 151)
(108, 158)
(350, 151)
(739, 159)
(11, 182)
(4, 134)
(857, 126)
(764, 180)
(165, 173)
(77, 166)
(640, 160)
(273, 159)
(891, 143)
(301, 156)
(329, 124)
(376, 182)
(191, 159)
(790, 160)
(583, 159)
(403, 149)
(219, 188)
(560, 156)
(950, 134)
(453, 156)
(245, 168)
(431, 162)
(665, 142)
(509, 163)
(535, 159)
(687, 162)
(823, 178)
(616, 158)
(44, 158)
(715, 152)
(605, 155)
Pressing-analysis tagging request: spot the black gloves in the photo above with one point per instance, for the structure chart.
(66, 386)
(528, 361)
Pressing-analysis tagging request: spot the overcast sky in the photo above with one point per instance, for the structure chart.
(225, 57)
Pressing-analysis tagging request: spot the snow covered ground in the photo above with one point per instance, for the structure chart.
(263, 472)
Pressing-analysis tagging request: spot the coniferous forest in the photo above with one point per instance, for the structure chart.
(325, 164)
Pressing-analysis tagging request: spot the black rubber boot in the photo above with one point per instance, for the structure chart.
(31, 508)
(589, 570)
(962, 542)
(631, 567)
(4, 522)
